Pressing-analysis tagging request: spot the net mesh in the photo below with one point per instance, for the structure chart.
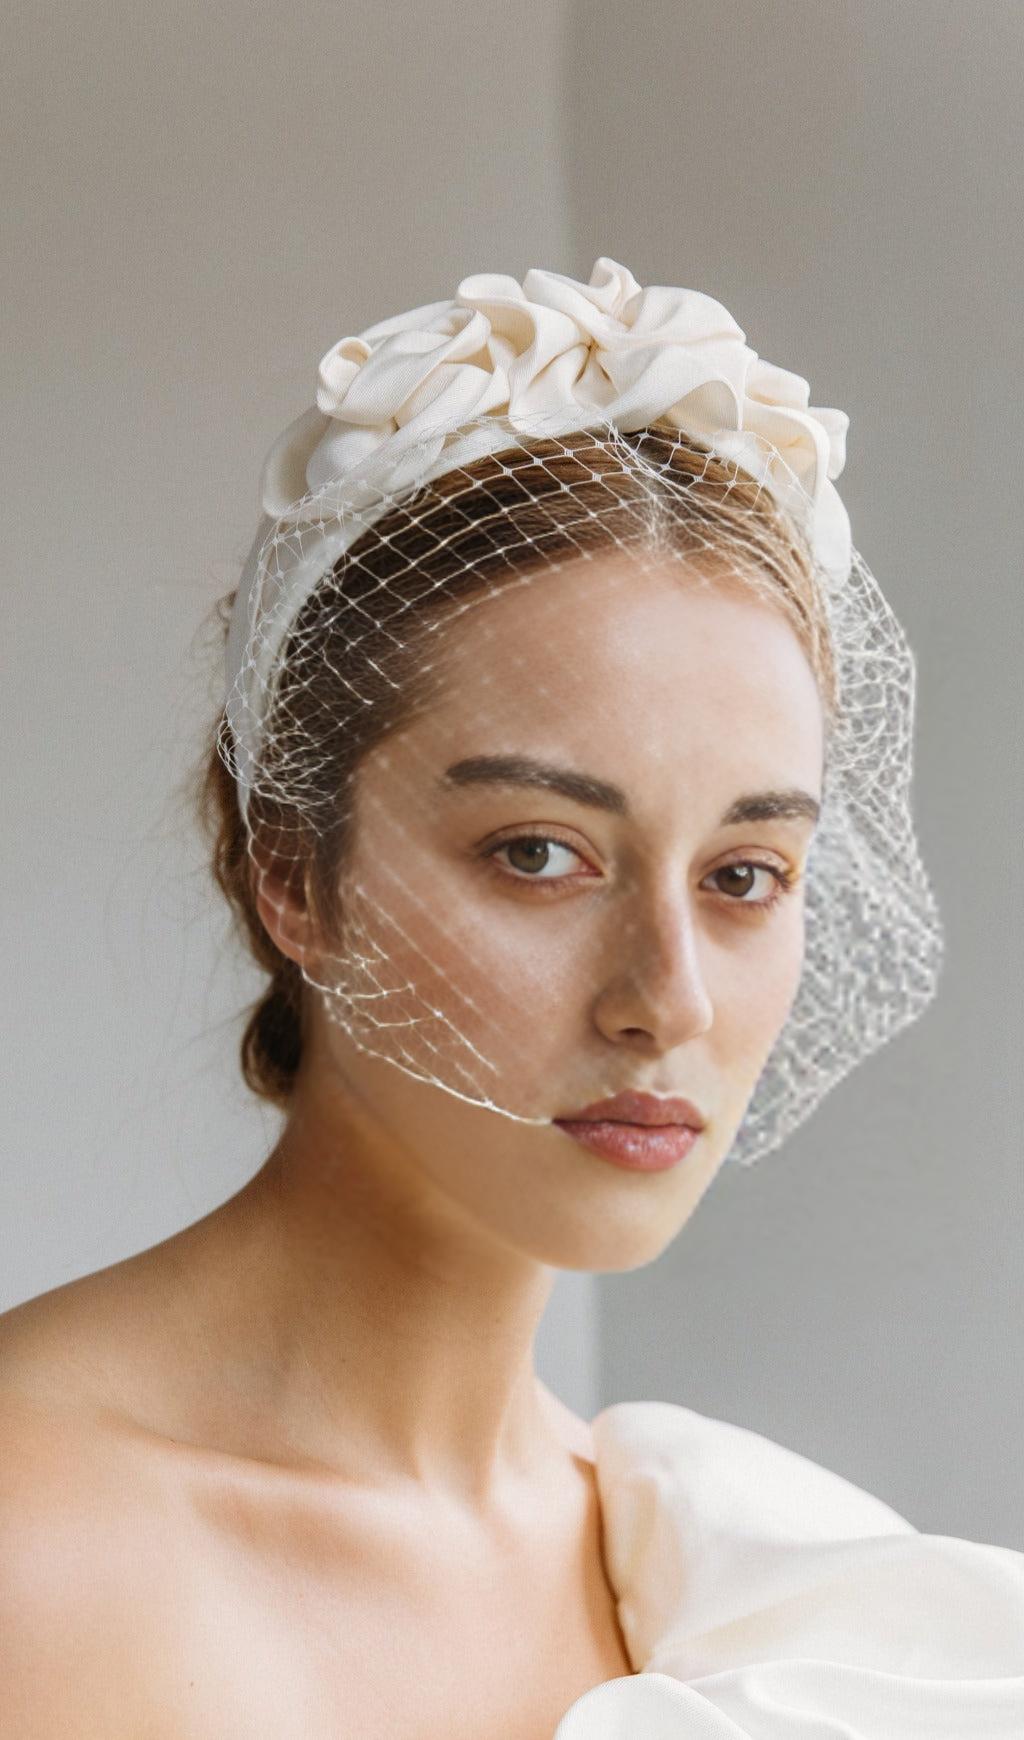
(370, 609)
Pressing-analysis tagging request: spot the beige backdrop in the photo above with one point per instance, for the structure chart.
(199, 200)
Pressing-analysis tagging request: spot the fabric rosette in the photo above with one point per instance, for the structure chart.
(576, 353)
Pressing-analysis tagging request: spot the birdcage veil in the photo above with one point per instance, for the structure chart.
(489, 442)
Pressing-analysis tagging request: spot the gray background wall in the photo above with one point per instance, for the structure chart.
(199, 201)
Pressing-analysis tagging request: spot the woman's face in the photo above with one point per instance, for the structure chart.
(541, 948)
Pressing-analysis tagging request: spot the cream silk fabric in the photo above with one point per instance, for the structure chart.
(554, 345)
(762, 1597)
(424, 392)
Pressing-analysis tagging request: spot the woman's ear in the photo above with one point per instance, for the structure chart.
(281, 901)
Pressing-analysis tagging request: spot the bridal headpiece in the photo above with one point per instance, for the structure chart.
(401, 493)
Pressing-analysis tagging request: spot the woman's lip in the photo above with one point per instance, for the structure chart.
(638, 1147)
(634, 1106)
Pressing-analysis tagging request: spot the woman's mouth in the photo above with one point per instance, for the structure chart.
(639, 1147)
(642, 1131)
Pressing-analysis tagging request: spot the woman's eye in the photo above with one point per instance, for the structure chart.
(742, 879)
(541, 858)
(531, 855)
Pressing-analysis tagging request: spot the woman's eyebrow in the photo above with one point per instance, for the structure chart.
(586, 788)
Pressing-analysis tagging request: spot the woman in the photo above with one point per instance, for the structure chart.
(560, 788)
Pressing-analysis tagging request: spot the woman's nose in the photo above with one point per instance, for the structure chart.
(656, 992)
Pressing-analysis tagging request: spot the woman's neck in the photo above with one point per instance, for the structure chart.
(379, 1330)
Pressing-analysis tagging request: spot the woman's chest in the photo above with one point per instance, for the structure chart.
(448, 1640)
(509, 1664)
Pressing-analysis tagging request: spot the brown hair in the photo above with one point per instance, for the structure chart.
(577, 497)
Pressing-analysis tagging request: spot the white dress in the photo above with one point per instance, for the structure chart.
(763, 1597)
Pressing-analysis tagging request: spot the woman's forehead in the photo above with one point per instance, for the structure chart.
(651, 673)
(595, 619)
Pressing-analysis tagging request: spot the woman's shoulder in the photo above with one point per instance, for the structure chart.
(69, 1359)
(62, 1486)
(121, 1348)
(75, 1509)
(118, 1515)
(71, 1356)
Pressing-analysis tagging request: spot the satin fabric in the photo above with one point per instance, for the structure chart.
(396, 404)
(763, 1597)
(553, 344)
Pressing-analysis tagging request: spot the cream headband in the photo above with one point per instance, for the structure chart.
(393, 402)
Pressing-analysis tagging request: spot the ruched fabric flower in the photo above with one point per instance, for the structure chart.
(637, 357)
